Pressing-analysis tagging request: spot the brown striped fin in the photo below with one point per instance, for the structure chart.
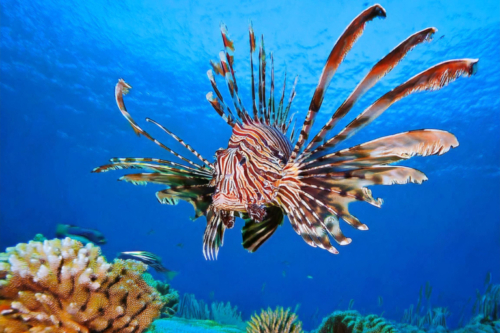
(229, 58)
(213, 238)
(228, 43)
(173, 166)
(433, 78)
(121, 88)
(390, 149)
(200, 196)
(304, 218)
(165, 179)
(217, 68)
(152, 167)
(214, 101)
(187, 146)
(256, 233)
(280, 113)
(289, 105)
(252, 50)
(374, 175)
(378, 71)
(339, 51)
(271, 106)
(262, 80)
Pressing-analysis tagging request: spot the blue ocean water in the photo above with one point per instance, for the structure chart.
(60, 61)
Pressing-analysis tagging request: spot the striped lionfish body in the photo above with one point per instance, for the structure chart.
(262, 176)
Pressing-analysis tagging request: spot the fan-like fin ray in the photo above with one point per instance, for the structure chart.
(176, 166)
(200, 196)
(256, 233)
(147, 166)
(220, 107)
(433, 78)
(122, 88)
(187, 146)
(213, 237)
(251, 36)
(339, 51)
(165, 179)
(381, 69)
(390, 149)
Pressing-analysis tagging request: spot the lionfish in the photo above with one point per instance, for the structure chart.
(262, 176)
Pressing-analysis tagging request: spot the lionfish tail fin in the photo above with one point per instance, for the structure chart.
(337, 55)
(256, 233)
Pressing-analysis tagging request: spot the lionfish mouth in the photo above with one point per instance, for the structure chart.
(262, 176)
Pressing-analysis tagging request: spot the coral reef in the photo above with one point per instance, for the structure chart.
(62, 286)
(424, 316)
(169, 296)
(353, 322)
(283, 321)
(191, 308)
(480, 324)
(182, 325)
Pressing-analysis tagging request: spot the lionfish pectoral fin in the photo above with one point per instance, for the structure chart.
(199, 196)
(257, 233)
(213, 237)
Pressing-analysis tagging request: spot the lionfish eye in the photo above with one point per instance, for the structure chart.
(243, 160)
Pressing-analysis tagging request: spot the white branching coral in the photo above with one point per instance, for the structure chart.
(63, 286)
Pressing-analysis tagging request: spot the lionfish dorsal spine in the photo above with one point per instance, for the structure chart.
(251, 36)
(433, 78)
(381, 69)
(339, 51)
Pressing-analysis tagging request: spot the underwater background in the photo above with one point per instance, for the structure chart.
(60, 61)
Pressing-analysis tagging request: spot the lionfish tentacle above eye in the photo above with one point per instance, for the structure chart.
(339, 51)
(381, 69)
(262, 177)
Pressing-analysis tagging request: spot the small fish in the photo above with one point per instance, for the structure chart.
(82, 235)
(150, 232)
(309, 277)
(149, 259)
(380, 301)
(487, 279)
(263, 287)
(180, 245)
(284, 273)
(211, 295)
(286, 263)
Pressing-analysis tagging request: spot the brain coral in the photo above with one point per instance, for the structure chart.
(282, 321)
(61, 286)
(353, 322)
